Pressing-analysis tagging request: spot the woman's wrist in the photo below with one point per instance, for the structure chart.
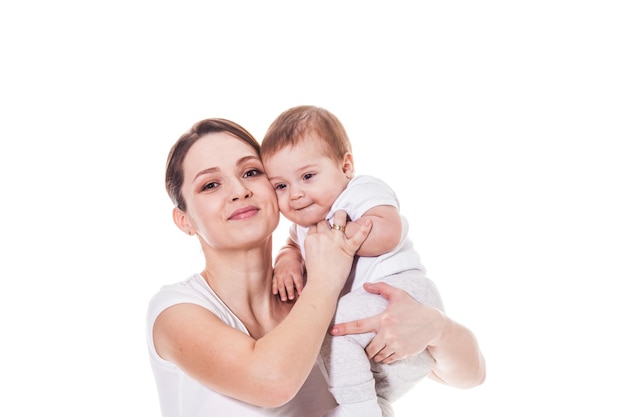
(441, 327)
(458, 359)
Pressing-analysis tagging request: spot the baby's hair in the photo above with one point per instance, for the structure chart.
(293, 125)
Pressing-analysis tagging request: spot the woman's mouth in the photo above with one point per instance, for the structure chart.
(244, 213)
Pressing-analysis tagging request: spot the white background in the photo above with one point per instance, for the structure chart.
(500, 124)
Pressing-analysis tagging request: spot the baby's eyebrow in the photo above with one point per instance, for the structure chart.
(307, 167)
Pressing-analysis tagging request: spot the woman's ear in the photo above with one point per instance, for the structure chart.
(180, 218)
(348, 165)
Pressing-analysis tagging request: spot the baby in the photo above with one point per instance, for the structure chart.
(308, 159)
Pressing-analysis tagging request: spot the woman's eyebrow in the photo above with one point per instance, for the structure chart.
(205, 171)
(240, 161)
(245, 159)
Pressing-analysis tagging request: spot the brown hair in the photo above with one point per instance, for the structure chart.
(291, 127)
(174, 167)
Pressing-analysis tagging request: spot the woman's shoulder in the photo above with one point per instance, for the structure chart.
(193, 290)
(188, 288)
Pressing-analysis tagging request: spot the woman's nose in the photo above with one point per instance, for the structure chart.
(240, 190)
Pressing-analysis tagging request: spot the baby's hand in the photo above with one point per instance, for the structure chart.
(288, 278)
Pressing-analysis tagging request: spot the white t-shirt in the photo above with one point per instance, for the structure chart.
(362, 193)
(182, 396)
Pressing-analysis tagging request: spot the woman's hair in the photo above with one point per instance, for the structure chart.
(174, 167)
(292, 125)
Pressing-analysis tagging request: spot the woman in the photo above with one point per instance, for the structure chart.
(220, 343)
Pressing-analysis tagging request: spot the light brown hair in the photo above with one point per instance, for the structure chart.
(292, 126)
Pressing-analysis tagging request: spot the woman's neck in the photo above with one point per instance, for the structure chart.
(243, 281)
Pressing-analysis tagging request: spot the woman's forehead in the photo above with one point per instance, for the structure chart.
(217, 150)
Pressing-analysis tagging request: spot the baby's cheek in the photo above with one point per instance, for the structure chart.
(283, 204)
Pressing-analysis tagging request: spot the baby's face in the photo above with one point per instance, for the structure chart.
(306, 180)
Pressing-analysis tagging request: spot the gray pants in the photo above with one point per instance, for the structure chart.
(352, 377)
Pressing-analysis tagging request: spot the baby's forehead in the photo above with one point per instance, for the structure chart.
(315, 147)
(298, 158)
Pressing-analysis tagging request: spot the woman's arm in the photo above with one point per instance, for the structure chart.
(267, 371)
(407, 327)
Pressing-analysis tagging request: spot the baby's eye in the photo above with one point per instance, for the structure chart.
(279, 186)
(308, 176)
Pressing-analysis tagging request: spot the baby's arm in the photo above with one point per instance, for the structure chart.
(386, 230)
(288, 271)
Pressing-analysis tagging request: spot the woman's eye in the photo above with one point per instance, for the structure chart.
(209, 186)
(252, 173)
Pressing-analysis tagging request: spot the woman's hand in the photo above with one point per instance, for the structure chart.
(407, 327)
(330, 253)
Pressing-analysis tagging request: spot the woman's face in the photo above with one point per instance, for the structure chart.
(230, 201)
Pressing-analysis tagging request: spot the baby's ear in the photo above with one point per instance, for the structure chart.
(348, 165)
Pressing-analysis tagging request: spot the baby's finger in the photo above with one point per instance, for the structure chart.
(283, 292)
(290, 291)
(299, 286)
